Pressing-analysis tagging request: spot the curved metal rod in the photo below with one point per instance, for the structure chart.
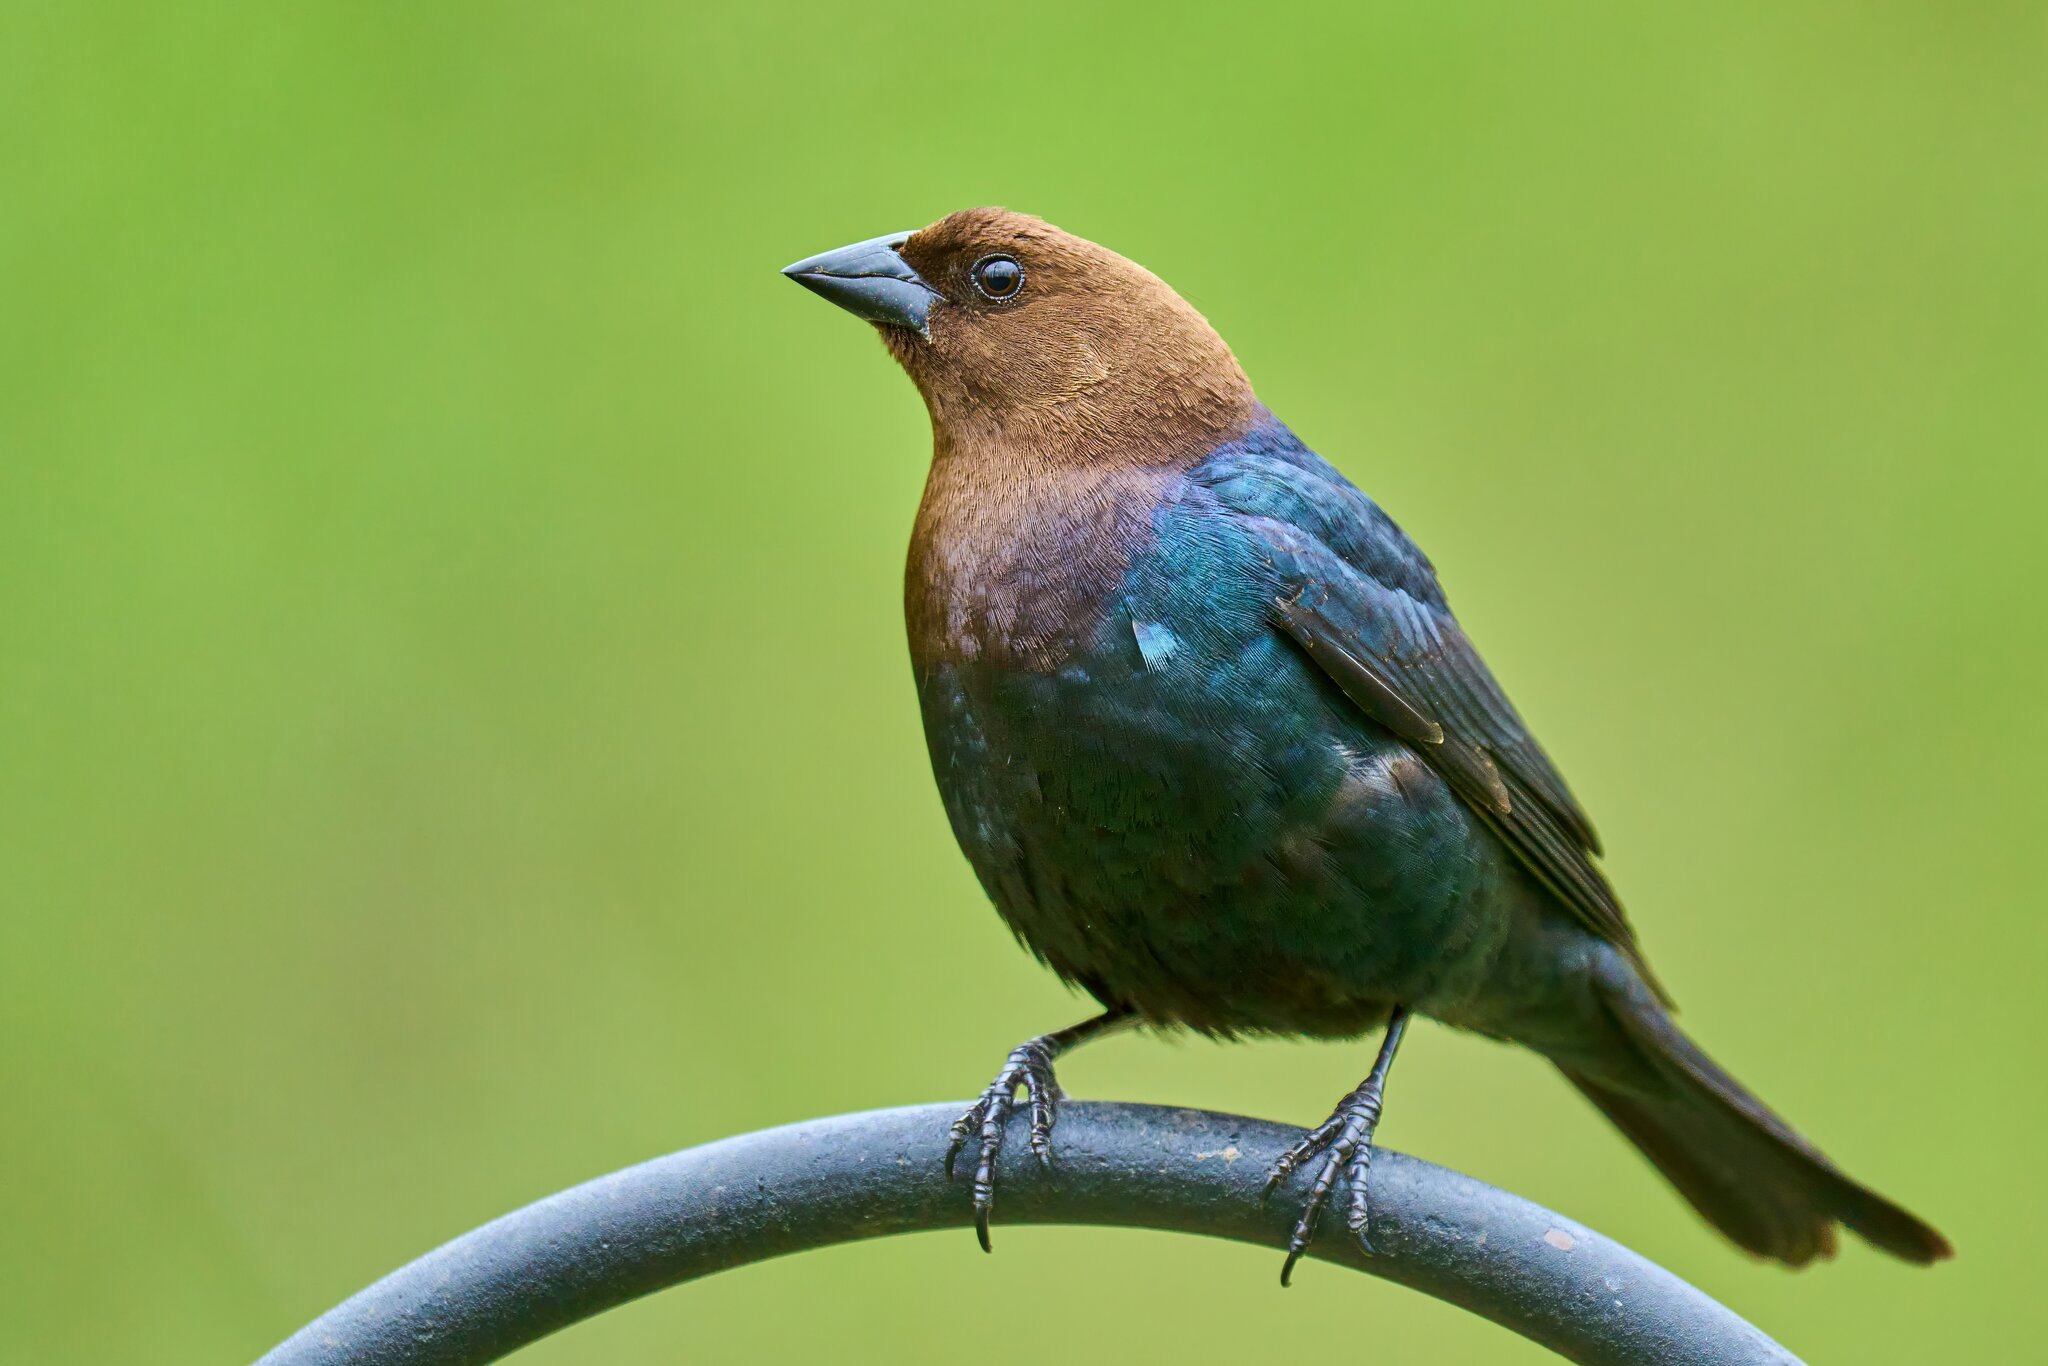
(828, 1181)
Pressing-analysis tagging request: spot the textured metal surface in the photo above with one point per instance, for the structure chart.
(828, 1181)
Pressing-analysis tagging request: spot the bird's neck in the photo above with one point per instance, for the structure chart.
(1023, 536)
(1013, 566)
(1140, 399)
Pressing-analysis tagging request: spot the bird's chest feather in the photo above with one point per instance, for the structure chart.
(1148, 787)
(1074, 648)
(1016, 567)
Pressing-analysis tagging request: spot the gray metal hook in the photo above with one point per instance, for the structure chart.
(826, 1181)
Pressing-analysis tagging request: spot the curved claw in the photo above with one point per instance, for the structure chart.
(963, 1128)
(1346, 1140)
(1028, 1067)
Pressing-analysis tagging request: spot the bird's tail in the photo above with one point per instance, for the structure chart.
(1746, 1170)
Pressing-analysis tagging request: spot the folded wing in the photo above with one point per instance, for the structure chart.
(1363, 603)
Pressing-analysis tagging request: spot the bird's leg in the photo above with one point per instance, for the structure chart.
(1346, 1136)
(1029, 1066)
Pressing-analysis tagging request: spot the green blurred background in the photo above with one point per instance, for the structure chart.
(455, 736)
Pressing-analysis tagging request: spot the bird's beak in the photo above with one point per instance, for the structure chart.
(869, 280)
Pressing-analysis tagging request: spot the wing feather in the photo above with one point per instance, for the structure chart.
(1363, 603)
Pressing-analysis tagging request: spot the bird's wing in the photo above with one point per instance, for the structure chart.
(1364, 604)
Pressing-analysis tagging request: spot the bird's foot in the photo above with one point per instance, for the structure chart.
(1345, 1140)
(1029, 1067)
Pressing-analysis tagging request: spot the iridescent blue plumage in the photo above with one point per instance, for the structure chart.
(1188, 815)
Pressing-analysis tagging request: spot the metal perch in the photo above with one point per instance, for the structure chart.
(828, 1181)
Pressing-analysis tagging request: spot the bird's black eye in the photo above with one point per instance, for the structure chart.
(999, 277)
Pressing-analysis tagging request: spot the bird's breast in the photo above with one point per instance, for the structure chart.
(1017, 568)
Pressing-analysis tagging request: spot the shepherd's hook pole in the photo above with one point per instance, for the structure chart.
(826, 1181)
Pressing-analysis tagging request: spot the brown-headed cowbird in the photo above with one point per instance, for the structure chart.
(1208, 732)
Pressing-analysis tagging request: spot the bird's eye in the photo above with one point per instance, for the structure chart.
(999, 277)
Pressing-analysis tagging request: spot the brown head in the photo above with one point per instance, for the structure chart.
(1032, 342)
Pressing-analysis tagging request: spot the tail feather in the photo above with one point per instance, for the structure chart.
(1741, 1166)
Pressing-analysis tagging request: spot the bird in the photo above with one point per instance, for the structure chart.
(1205, 726)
